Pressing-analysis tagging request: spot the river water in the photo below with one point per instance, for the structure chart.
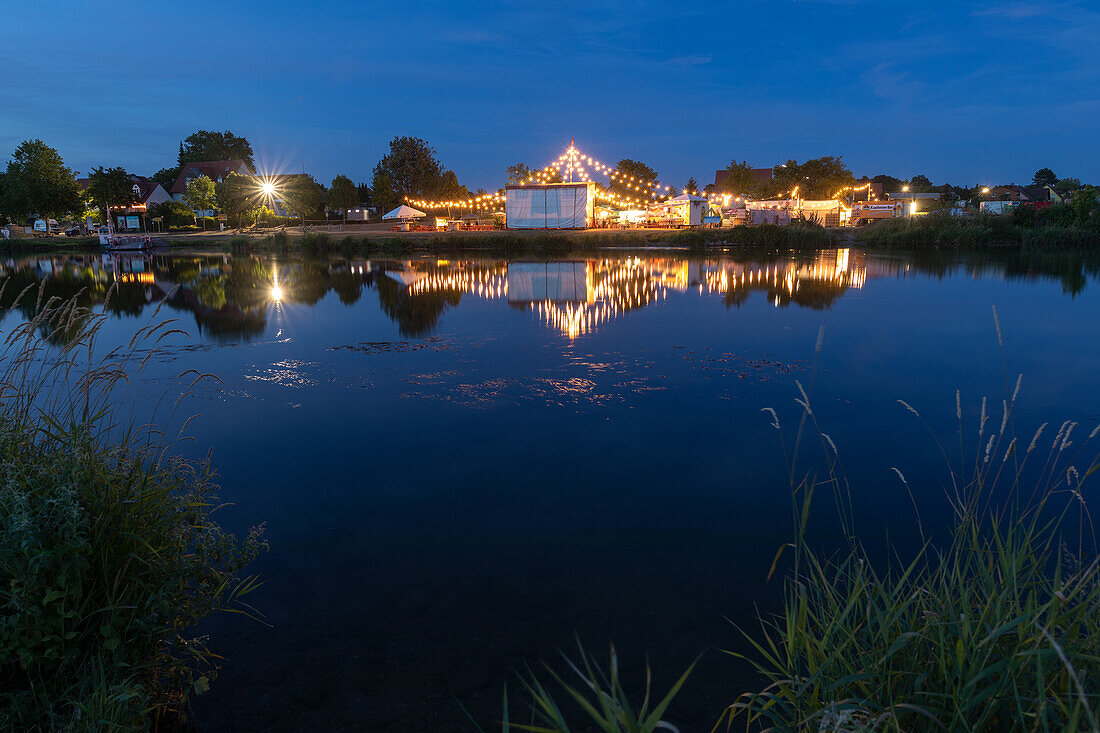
(464, 464)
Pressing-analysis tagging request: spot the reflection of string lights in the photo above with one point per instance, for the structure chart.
(614, 287)
(484, 282)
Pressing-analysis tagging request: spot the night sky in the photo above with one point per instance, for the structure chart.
(964, 93)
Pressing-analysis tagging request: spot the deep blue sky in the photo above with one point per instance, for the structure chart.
(962, 92)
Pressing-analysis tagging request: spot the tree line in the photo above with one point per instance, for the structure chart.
(37, 182)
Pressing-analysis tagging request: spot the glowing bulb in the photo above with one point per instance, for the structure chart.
(268, 188)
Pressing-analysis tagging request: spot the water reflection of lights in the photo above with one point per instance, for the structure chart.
(276, 291)
(600, 290)
(491, 283)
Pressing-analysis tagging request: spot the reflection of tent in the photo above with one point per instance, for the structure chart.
(555, 281)
(404, 212)
(406, 277)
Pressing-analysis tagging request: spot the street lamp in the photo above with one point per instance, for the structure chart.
(268, 191)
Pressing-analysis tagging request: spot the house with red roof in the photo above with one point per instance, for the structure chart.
(146, 193)
(759, 175)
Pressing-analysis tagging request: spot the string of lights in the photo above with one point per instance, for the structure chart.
(575, 166)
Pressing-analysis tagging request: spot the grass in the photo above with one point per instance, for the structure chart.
(994, 627)
(599, 700)
(109, 553)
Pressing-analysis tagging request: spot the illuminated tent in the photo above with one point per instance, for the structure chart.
(550, 205)
(404, 212)
(684, 210)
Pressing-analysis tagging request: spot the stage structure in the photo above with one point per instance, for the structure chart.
(550, 205)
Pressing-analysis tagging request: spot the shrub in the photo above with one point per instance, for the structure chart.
(108, 549)
(315, 243)
(174, 213)
(1056, 225)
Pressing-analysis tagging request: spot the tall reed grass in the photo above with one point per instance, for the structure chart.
(994, 626)
(109, 553)
(596, 699)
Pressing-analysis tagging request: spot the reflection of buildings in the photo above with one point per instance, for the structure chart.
(577, 297)
(232, 297)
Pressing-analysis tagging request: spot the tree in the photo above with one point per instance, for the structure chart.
(1067, 185)
(205, 145)
(302, 196)
(450, 189)
(238, 196)
(631, 179)
(409, 169)
(691, 186)
(343, 195)
(1044, 177)
(920, 184)
(364, 193)
(889, 184)
(816, 179)
(200, 196)
(37, 182)
(519, 173)
(1084, 203)
(167, 176)
(383, 193)
(172, 213)
(109, 187)
(739, 179)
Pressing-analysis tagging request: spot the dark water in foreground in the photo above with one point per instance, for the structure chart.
(461, 464)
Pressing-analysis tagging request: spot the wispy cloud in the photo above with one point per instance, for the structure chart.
(1016, 10)
(893, 85)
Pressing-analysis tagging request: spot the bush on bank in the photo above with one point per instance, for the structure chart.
(1072, 224)
(109, 553)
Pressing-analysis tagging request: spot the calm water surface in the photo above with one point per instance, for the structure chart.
(462, 464)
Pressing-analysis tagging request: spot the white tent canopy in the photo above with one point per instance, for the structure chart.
(685, 197)
(404, 212)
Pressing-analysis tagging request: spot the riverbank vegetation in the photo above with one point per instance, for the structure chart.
(510, 243)
(993, 625)
(1074, 224)
(109, 553)
(497, 243)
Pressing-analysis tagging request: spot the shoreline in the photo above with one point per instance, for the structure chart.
(355, 239)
